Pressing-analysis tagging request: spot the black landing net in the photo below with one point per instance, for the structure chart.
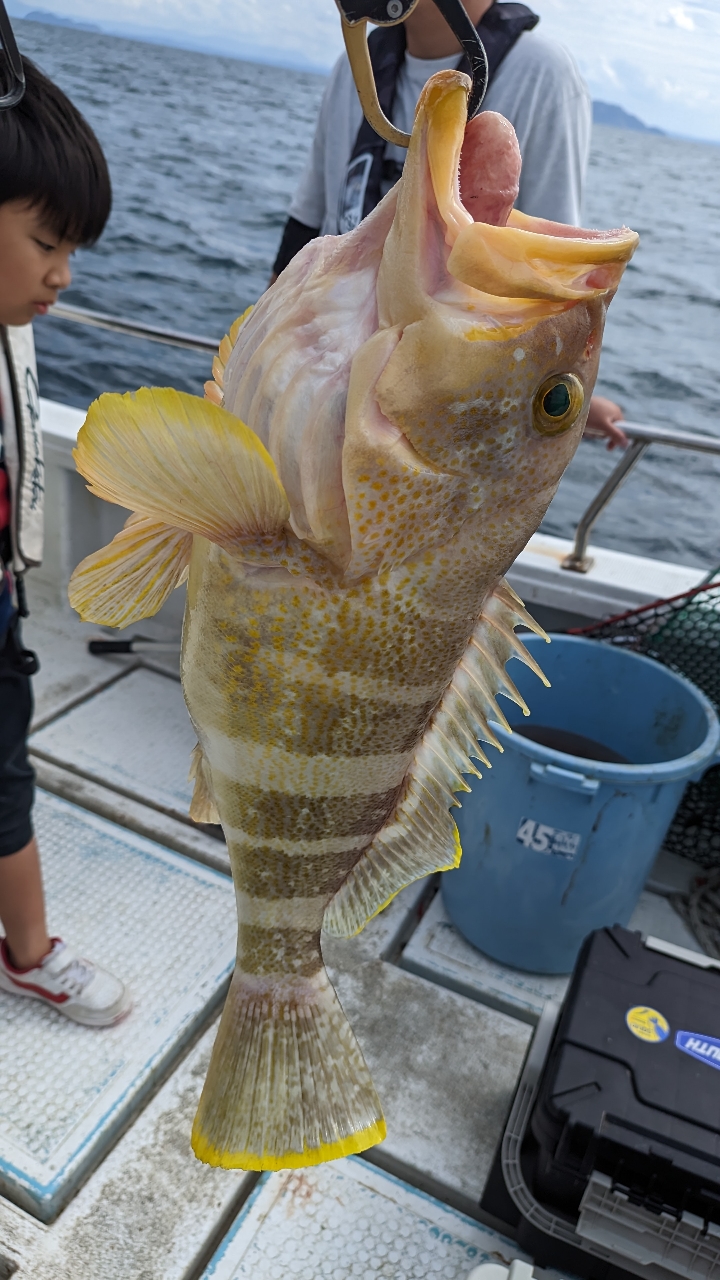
(684, 634)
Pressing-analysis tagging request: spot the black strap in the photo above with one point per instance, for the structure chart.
(12, 654)
(499, 29)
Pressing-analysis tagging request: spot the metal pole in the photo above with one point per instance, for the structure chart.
(134, 329)
(579, 560)
(665, 435)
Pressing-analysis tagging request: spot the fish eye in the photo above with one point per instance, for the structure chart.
(557, 404)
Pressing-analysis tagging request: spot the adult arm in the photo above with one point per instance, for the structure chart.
(295, 236)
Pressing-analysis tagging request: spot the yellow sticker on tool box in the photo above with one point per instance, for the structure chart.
(647, 1024)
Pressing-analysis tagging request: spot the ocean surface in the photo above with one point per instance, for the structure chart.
(204, 154)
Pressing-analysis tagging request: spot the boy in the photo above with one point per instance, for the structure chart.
(54, 195)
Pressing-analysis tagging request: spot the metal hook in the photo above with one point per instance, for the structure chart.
(356, 14)
(11, 56)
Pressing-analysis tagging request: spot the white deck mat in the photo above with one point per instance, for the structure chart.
(438, 951)
(135, 736)
(162, 922)
(345, 1220)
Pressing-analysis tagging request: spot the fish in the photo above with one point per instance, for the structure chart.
(383, 433)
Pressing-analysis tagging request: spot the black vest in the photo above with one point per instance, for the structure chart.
(368, 169)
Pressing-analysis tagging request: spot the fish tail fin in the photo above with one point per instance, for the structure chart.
(202, 806)
(287, 1085)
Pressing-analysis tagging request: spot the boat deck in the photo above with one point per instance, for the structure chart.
(96, 1172)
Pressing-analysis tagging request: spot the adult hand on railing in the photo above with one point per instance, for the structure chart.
(602, 423)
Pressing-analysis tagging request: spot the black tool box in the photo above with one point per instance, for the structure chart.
(610, 1160)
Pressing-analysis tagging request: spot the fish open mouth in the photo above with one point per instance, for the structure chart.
(474, 171)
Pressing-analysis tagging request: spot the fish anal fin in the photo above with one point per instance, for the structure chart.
(184, 461)
(202, 806)
(133, 576)
(421, 838)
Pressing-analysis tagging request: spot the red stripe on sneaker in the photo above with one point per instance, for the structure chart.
(11, 970)
(46, 995)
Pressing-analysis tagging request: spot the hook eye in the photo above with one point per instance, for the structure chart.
(382, 13)
(13, 61)
(356, 14)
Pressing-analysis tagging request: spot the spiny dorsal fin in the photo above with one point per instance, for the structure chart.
(214, 389)
(421, 837)
(183, 461)
(132, 577)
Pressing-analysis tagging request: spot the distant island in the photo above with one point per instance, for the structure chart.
(56, 20)
(610, 113)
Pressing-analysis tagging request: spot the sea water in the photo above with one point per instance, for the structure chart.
(205, 153)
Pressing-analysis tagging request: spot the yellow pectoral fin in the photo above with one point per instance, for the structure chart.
(184, 461)
(132, 577)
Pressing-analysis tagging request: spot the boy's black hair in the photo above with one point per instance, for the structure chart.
(50, 157)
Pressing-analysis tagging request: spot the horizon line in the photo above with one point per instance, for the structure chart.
(261, 55)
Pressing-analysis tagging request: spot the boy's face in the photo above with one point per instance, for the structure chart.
(34, 264)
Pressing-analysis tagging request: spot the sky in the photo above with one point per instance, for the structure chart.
(659, 59)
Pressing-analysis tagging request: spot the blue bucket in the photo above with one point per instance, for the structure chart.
(557, 844)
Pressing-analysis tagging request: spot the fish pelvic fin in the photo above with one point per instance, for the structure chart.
(421, 837)
(184, 461)
(202, 806)
(287, 1085)
(133, 576)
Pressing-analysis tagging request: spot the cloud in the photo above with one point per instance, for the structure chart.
(682, 18)
(656, 58)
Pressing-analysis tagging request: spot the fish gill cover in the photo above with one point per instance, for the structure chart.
(384, 432)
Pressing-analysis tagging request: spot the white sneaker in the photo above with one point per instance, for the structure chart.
(74, 986)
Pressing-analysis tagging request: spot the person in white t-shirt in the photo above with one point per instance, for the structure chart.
(536, 86)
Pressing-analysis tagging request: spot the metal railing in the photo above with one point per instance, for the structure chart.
(640, 434)
(133, 329)
(642, 437)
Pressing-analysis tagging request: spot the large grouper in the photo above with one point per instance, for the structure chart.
(384, 433)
